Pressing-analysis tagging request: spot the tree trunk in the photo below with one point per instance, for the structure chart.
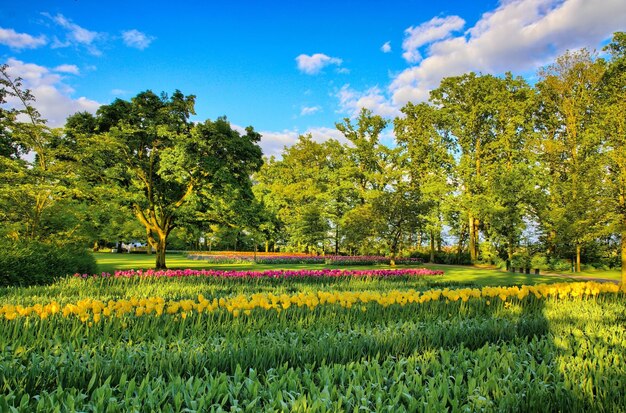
(432, 246)
(267, 246)
(160, 252)
(623, 243)
(472, 238)
(394, 247)
(96, 246)
(577, 257)
(459, 249)
(337, 240)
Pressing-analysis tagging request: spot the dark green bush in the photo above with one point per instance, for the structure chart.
(443, 257)
(35, 263)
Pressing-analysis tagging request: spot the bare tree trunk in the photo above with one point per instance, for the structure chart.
(472, 238)
(439, 248)
(577, 257)
(160, 257)
(432, 246)
(509, 253)
(622, 203)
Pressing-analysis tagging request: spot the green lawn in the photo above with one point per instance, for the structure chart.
(614, 274)
(480, 276)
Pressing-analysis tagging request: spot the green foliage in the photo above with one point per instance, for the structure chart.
(444, 257)
(480, 355)
(166, 170)
(35, 263)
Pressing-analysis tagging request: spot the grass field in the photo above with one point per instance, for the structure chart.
(456, 342)
(108, 262)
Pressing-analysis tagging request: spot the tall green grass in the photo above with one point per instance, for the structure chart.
(532, 355)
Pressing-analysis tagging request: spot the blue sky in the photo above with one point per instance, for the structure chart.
(285, 68)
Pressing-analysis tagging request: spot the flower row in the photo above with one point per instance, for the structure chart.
(265, 258)
(303, 273)
(246, 253)
(95, 310)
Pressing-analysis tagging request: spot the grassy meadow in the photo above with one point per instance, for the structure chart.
(468, 340)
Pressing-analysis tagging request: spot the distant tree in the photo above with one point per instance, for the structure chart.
(510, 169)
(168, 169)
(367, 155)
(429, 163)
(570, 149)
(466, 105)
(612, 123)
(36, 192)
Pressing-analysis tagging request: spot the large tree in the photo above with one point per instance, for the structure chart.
(36, 183)
(570, 149)
(169, 169)
(466, 105)
(613, 127)
(429, 163)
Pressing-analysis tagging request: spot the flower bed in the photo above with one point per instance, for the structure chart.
(297, 258)
(322, 273)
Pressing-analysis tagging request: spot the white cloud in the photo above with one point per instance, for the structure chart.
(71, 69)
(14, 40)
(351, 102)
(75, 35)
(519, 35)
(386, 48)
(309, 110)
(312, 65)
(52, 97)
(436, 29)
(135, 38)
(119, 92)
(273, 142)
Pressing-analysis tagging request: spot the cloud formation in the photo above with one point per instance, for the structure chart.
(351, 102)
(435, 29)
(52, 97)
(312, 65)
(518, 36)
(17, 41)
(386, 48)
(135, 38)
(71, 69)
(273, 142)
(309, 110)
(75, 35)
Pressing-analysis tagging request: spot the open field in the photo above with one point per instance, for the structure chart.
(108, 262)
(198, 344)
(457, 342)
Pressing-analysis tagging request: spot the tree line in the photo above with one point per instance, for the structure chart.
(492, 168)
(507, 170)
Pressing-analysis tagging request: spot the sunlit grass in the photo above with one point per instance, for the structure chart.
(479, 276)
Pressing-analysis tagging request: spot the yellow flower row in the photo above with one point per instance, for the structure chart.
(89, 309)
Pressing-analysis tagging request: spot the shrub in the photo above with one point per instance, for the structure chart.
(37, 263)
(443, 257)
(559, 264)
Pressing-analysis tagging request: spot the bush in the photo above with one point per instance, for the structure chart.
(36, 263)
(443, 257)
(559, 265)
